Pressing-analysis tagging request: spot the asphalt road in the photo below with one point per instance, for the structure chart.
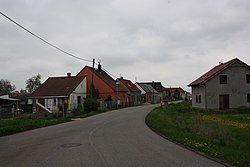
(113, 139)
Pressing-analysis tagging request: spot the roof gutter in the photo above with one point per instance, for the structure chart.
(46, 97)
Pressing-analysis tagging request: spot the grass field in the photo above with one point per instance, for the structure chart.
(11, 126)
(221, 134)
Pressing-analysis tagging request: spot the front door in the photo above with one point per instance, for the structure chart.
(224, 101)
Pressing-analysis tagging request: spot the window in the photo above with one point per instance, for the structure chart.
(54, 102)
(248, 78)
(223, 79)
(198, 98)
(248, 98)
(78, 99)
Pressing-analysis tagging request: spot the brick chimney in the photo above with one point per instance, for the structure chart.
(68, 74)
(99, 66)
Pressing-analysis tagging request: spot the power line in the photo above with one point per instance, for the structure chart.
(40, 38)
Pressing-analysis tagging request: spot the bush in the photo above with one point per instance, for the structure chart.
(90, 104)
(78, 111)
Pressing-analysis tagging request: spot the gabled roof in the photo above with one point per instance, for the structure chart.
(215, 71)
(129, 85)
(173, 90)
(156, 85)
(106, 78)
(147, 88)
(57, 86)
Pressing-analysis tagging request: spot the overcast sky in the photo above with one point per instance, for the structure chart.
(172, 41)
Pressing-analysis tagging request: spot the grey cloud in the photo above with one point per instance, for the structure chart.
(171, 41)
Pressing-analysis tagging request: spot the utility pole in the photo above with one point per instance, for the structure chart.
(92, 79)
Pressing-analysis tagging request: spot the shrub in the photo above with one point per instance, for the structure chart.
(90, 104)
(78, 111)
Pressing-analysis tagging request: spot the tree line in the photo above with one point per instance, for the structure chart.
(32, 84)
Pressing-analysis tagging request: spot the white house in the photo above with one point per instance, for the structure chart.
(60, 93)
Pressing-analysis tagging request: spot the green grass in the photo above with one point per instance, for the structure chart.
(11, 126)
(16, 125)
(220, 134)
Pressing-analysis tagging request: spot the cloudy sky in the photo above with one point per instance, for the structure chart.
(172, 41)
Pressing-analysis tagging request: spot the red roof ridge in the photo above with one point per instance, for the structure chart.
(214, 71)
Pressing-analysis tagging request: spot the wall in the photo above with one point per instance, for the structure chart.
(79, 91)
(236, 87)
(198, 90)
(103, 88)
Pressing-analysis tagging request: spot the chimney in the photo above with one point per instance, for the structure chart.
(99, 66)
(121, 77)
(153, 81)
(68, 74)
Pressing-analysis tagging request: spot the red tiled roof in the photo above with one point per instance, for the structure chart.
(58, 86)
(215, 71)
(106, 78)
(173, 90)
(129, 85)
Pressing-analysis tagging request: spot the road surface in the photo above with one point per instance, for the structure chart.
(114, 139)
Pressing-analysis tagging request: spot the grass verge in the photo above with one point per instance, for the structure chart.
(11, 126)
(219, 134)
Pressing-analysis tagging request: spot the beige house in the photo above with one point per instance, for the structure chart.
(225, 86)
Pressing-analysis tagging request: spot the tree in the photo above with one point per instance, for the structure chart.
(6, 87)
(33, 83)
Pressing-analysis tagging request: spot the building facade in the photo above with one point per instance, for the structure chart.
(60, 93)
(134, 94)
(107, 87)
(223, 87)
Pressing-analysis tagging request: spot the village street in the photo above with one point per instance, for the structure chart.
(116, 138)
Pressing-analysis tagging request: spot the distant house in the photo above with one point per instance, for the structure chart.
(158, 87)
(107, 87)
(225, 86)
(134, 94)
(175, 93)
(148, 93)
(60, 93)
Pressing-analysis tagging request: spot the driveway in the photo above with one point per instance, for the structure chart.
(117, 138)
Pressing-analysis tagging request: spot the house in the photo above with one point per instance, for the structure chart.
(225, 86)
(175, 93)
(23, 100)
(7, 104)
(60, 93)
(134, 94)
(148, 93)
(158, 87)
(108, 88)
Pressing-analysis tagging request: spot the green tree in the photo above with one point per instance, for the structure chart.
(33, 83)
(90, 104)
(6, 87)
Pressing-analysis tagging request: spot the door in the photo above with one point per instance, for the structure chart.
(224, 101)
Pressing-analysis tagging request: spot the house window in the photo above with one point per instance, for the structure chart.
(54, 102)
(198, 98)
(248, 98)
(248, 78)
(223, 79)
(78, 99)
